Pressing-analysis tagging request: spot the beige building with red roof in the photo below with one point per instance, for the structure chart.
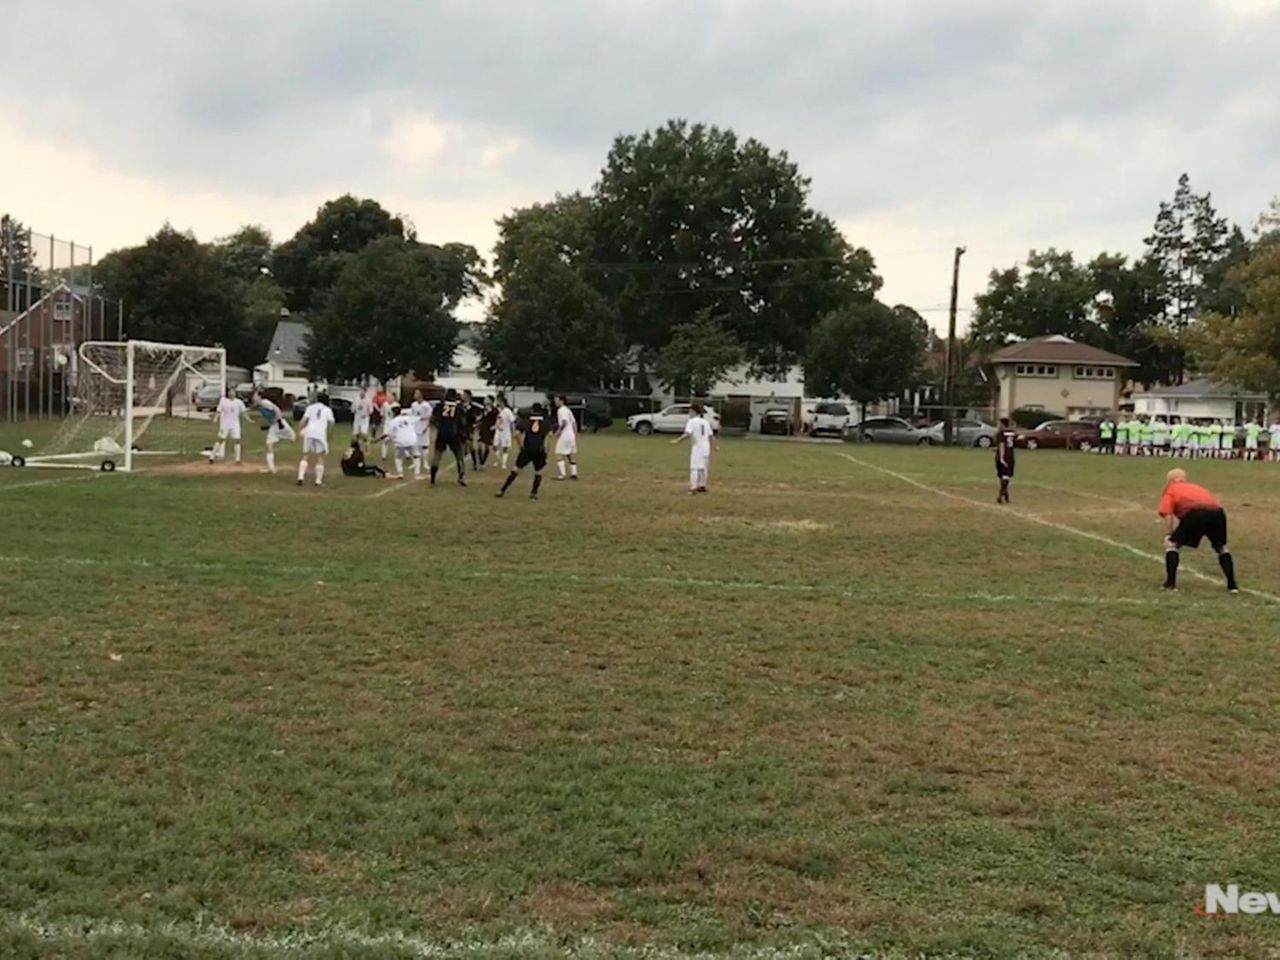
(1059, 376)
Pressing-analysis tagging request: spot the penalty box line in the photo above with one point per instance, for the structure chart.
(1051, 524)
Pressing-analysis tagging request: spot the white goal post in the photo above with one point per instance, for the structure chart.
(133, 398)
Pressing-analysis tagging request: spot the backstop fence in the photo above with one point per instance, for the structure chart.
(49, 305)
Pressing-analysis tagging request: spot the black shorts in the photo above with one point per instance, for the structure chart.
(1004, 471)
(536, 457)
(1208, 522)
(444, 443)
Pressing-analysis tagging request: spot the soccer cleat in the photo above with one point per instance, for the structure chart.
(461, 482)
(300, 483)
(501, 494)
(573, 476)
(1169, 586)
(533, 496)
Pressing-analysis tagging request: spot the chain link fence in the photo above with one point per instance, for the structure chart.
(49, 305)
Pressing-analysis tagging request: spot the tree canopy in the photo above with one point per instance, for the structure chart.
(865, 351)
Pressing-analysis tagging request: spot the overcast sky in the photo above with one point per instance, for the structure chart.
(1001, 125)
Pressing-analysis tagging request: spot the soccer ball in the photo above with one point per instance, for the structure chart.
(28, 444)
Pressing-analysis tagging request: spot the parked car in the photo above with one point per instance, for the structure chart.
(776, 422)
(245, 391)
(829, 419)
(592, 413)
(207, 397)
(1060, 435)
(886, 430)
(967, 433)
(341, 409)
(670, 420)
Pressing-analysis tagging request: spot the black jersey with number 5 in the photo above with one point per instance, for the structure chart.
(1006, 443)
(534, 429)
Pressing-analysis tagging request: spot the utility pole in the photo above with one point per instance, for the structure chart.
(952, 357)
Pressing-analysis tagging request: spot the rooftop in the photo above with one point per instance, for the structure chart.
(1206, 390)
(1057, 349)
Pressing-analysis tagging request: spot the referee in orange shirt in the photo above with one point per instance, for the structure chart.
(1191, 513)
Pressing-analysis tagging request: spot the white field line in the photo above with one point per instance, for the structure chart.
(202, 936)
(48, 483)
(392, 487)
(1052, 524)
(326, 575)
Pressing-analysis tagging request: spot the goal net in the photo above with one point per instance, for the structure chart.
(136, 399)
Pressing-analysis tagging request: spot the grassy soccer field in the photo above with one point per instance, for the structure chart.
(842, 704)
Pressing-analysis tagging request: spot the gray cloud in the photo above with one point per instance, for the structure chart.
(1031, 119)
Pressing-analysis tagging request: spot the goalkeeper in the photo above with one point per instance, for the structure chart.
(274, 423)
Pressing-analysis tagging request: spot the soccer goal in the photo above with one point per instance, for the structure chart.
(134, 399)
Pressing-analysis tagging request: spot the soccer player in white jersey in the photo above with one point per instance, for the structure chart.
(421, 409)
(402, 429)
(317, 418)
(1273, 444)
(502, 429)
(230, 413)
(274, 423)
(362, 415)
(387, 405)
(698, 431)
(566, 440)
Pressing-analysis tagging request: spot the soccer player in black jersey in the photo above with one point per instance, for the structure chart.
(449, 421)
(533, 431)
(1006, 440)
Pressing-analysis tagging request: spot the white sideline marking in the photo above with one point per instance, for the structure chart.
(504, 576)
(392, 487)
(45, 483)
(1052, 524)
(358, 943)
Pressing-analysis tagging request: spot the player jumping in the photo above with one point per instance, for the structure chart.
(275, 424)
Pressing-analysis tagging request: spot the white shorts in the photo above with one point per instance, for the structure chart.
(280, 431)
(312, 445)
(1227, 443)
(566, 445)
(361, 426)
(407, 453)
(1251, 443)
(699, 460)
(229, 433)
(502, 440)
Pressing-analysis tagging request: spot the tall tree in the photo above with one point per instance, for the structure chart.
(391, 311)
(699, 355)
(1053, 295)
(550, 327)
(690, 219)
(247, 254)
(1268, 220)
(175, 289)
(865, 351)
(1244, 348)
(17, 259)
(307, 265)
(1187, 241)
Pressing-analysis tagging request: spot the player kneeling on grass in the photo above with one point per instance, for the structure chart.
(274, 423)
(317, 418)
(1192, 513)
(230, 413)
(533, 431)
(1006, 444)
(353, 464)
(699, 431)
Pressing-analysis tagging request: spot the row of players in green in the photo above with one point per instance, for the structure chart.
(1182, 436)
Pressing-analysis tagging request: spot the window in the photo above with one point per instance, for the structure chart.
(62, 310)
(1037, 370)
(1095, 373)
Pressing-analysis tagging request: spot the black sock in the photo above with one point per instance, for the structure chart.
(537, 482)
(434, 471)
(511, 478)
(1229, 568)
(1171, 558)
(1004, 489)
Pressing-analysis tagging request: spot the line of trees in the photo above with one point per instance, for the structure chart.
(1197, 301)
(696, 252)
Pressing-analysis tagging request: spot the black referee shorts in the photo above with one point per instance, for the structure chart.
(1200, 523)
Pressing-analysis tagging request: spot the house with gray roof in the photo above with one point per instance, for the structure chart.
(1201, 399)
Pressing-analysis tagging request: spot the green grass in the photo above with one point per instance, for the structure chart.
(820, 708)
